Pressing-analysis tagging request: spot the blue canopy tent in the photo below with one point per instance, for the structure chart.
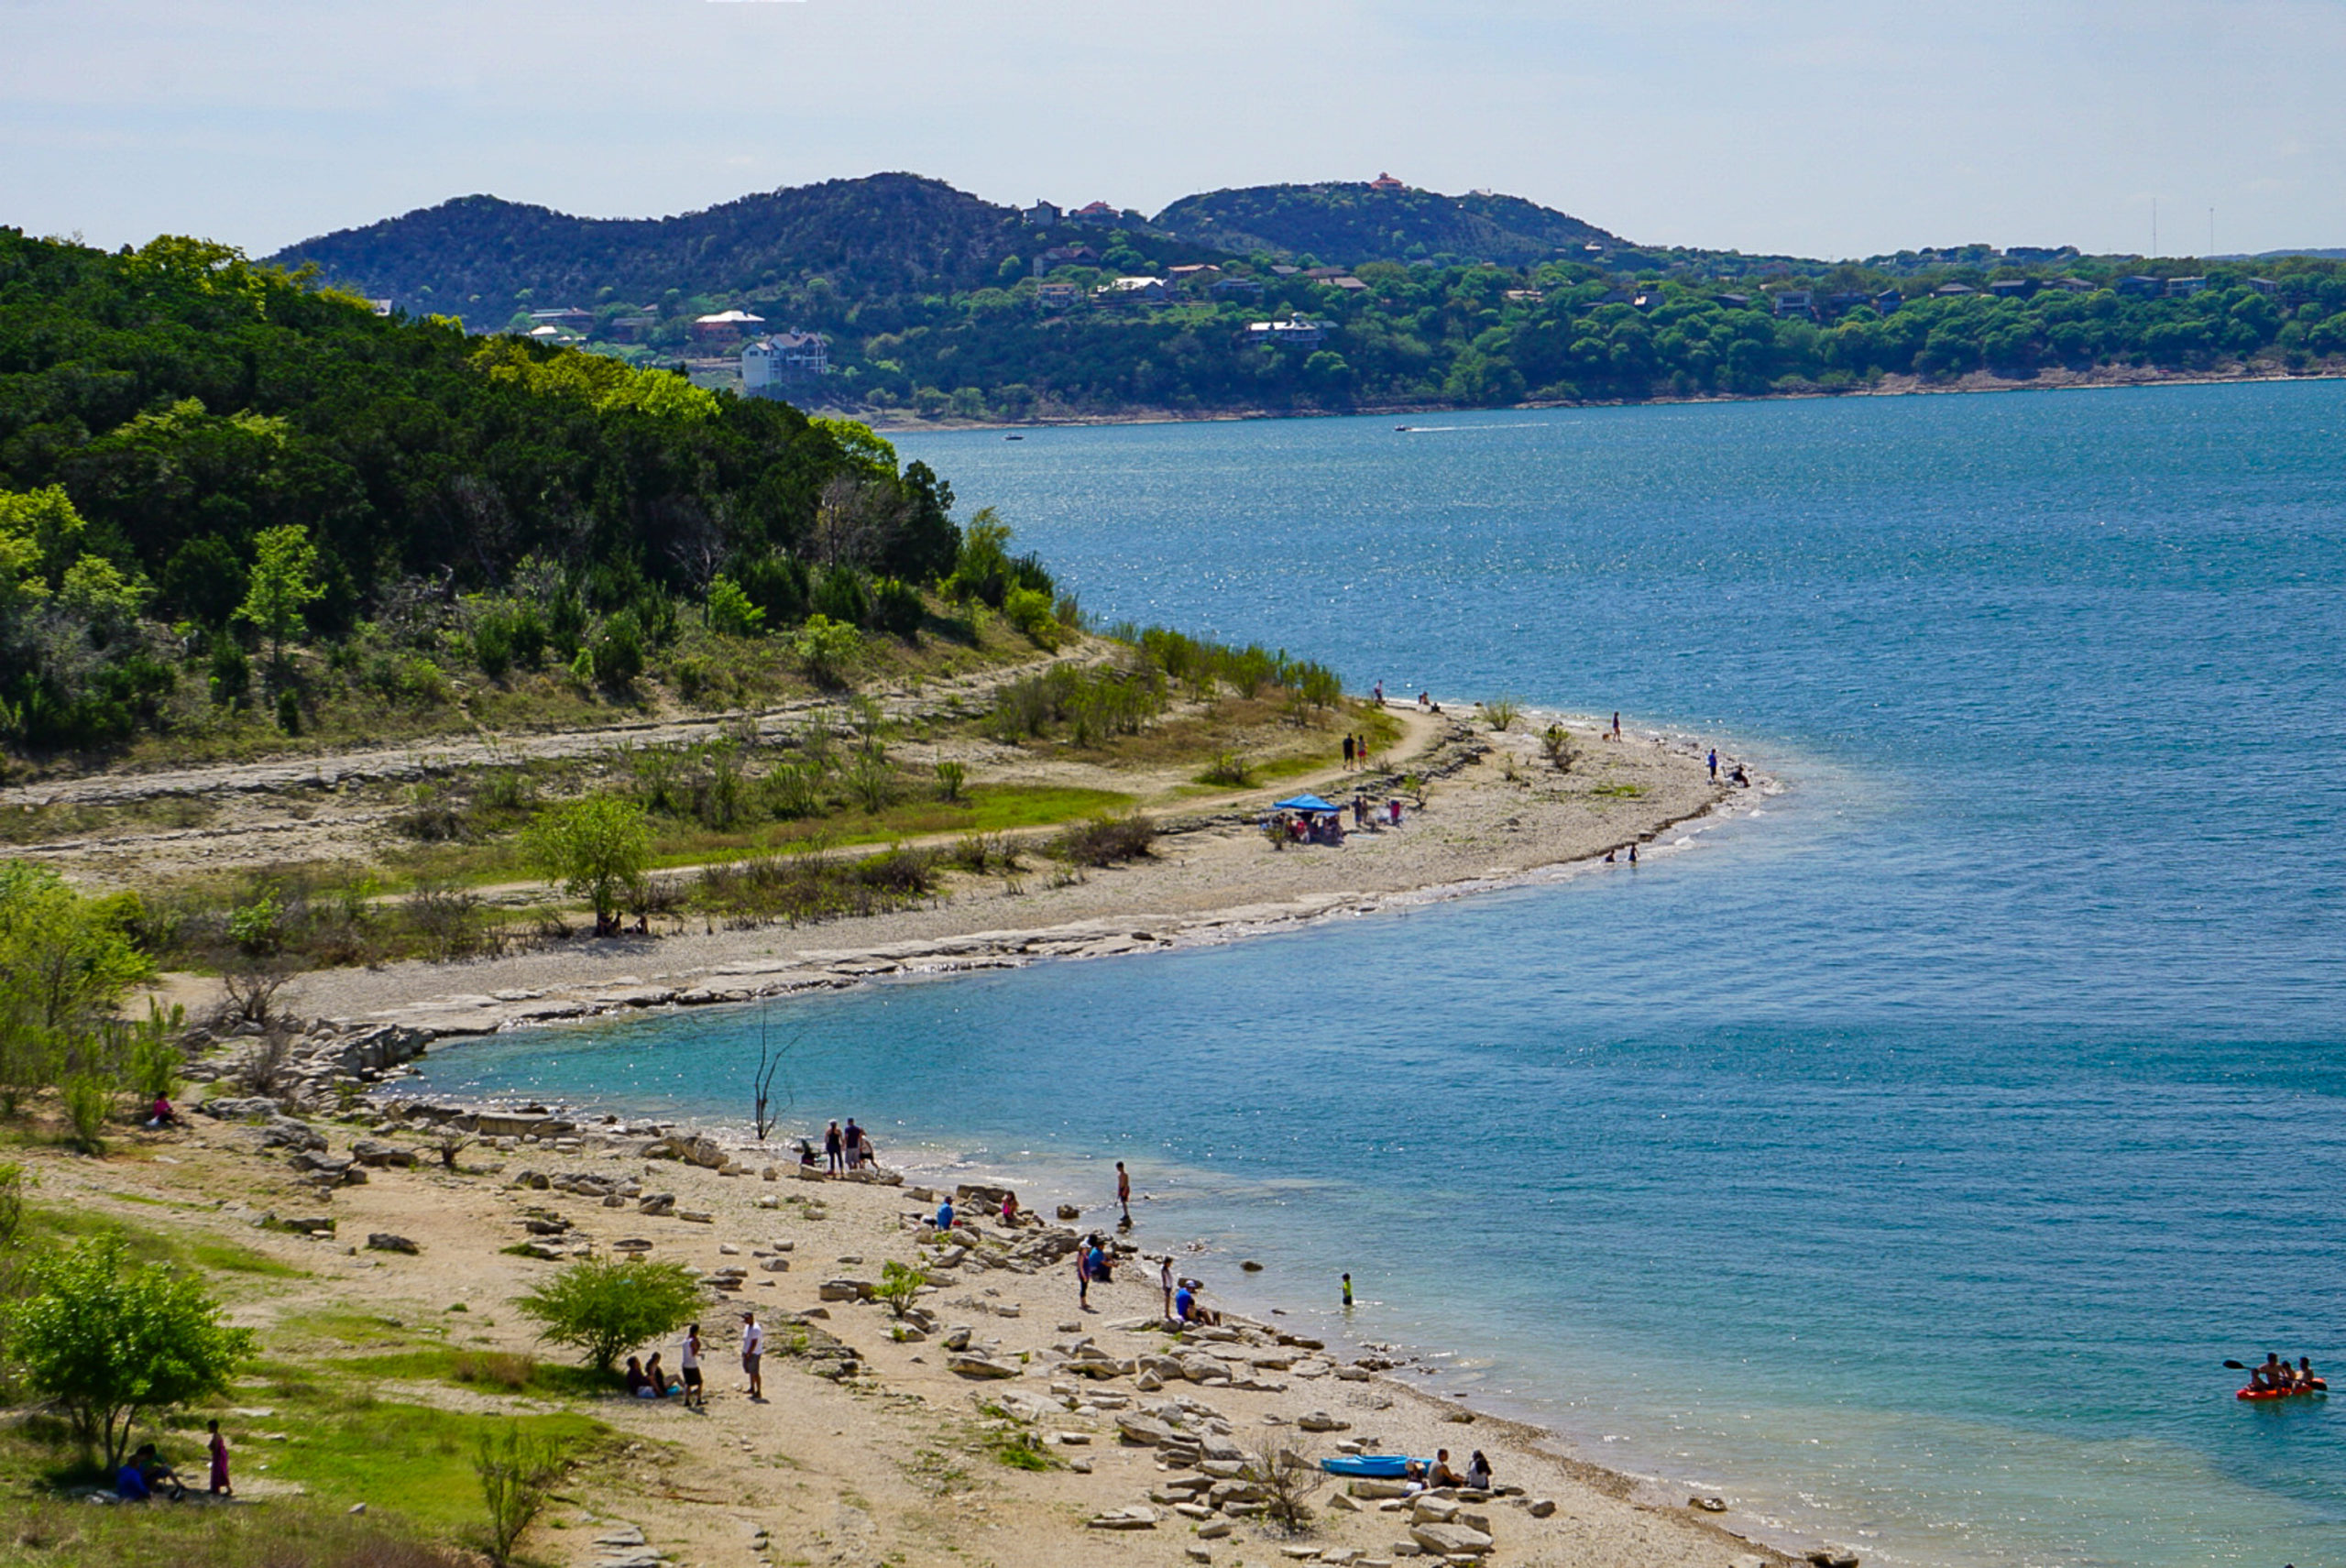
(1302, 803)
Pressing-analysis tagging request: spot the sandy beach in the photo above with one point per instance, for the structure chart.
(876, 1440)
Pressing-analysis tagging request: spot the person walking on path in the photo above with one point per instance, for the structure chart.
(688, 1362)
(753, 1350)
(219, 1447)
(832, 1144)
(1124, 1191)
(1348, 750)
(1617, 724)
(1348, 1290)
(1715, 765)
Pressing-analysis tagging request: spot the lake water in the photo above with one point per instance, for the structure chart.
(1903, 1162)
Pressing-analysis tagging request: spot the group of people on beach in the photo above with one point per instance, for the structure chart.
(2279, 1377)
(1356, 751)
(648, 1379)
(1478, 1477)
(847, 1148)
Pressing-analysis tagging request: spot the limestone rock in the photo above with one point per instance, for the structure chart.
(384, 1240)
(1139, 1516)
(968, 1364)
(1450, 1539)
(1320, 1421)
(1543, 1507)
(374, 1152)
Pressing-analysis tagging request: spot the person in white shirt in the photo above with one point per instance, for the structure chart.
(753, 1348)
(688, 1361)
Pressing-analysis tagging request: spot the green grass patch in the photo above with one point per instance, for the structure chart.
(408, 1459)
(357, 1330)
(1619, 791)
(193, 1250)
(486, 1371)
(287, 1531)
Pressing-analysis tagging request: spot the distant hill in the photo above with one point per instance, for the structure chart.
(480, 257)
(1345, 224)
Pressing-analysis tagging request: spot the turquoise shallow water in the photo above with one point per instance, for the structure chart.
(1901, 1162)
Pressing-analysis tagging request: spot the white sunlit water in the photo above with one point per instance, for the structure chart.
(1903, 1162)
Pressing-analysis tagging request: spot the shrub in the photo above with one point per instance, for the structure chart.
(1032, 614)
(951, 779)
(606, 1308)
(1286, 1480)
(1558, 744)
(826, 647)
(897, 608)
(731, 611)
(155, 1059)
(109, 1345)
(1501, 712)
(516, 1476)
(88, 1098)
(617, 656)
(1228, 768)
(899, 1284)
(1105, 840)
(841, 595)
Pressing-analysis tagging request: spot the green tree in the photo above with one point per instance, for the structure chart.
(605, 1306)
(282, 586)
(64, 959)
(110, 1345)
(731, 611)
(595, 847)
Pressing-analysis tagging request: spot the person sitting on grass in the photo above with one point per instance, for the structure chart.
(129, 1486)
(162, 1115)
(639, 1382)
(157, 1476)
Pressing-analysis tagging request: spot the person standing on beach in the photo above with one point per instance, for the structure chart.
(688, 1362)
(753, 1350)
(219, 1447)
(1165, 1279)
(1124, 1190)
(1380, 694)
(1617, 724)
(832, 1145)
(1715, 765)
(1082, 1281)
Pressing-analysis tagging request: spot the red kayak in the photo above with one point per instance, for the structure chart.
(2318, 1387)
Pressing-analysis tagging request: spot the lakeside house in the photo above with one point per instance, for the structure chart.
(2070, 285)
(786, 356)
(381, 307)
(567, 315)
(1795, 302)
(2181, 288)
(1953, 291)
(2140, 286)
(1230, 288)
(1297, 331)
(725, 327)
(629, 329)
(2014, 288)
(1057, 296)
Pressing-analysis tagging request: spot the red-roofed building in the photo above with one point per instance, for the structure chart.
(1385, 182)
(1094, 213)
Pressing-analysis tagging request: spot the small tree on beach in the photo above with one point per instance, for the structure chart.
(1501, 712)
(516, 1477)
(1558, 743)
(595, 847)
(606, 1308)
(1286, 1480)
(899, 1284)
(111, 1346)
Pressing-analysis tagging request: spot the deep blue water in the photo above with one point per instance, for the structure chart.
(1901, 1162)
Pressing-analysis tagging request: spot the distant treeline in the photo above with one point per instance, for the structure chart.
(1477, 336)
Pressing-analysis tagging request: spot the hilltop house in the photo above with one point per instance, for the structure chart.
(1135, 291)
(1296, 332)
(1230, 287)
(1095, 213)
(1041, 215)
(1384, 181)
(1795, 302)
(2177, 288)
(725, 327)
(2140, 286)
(786, 356)
(1056, 296)
(1060, 255)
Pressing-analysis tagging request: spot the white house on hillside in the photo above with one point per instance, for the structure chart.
(786, 356)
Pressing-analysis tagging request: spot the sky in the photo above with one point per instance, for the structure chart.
(1811, 128)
